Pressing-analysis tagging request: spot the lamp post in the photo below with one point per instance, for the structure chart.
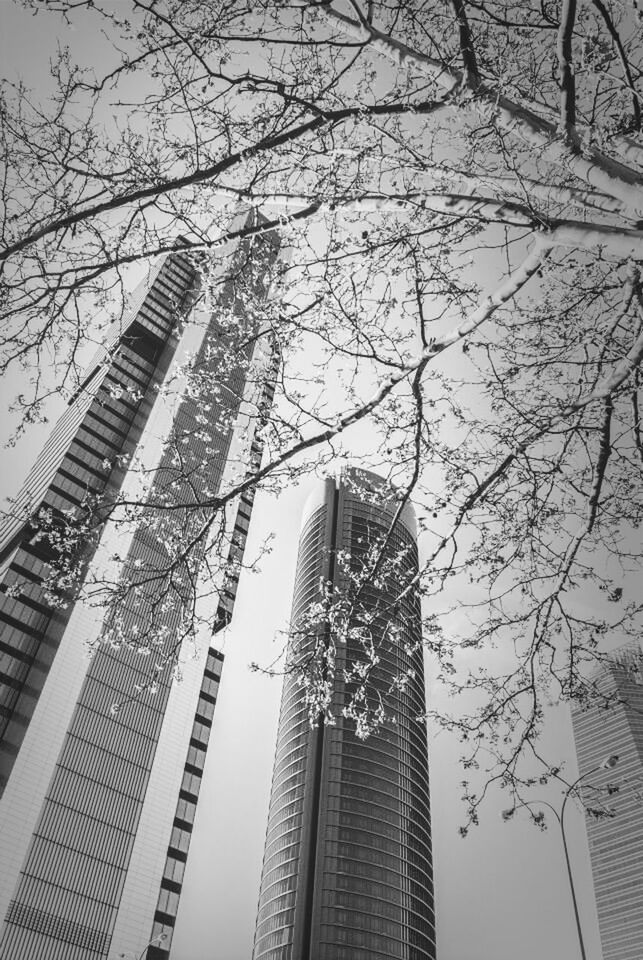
(608, 763)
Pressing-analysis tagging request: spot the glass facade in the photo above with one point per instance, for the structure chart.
(70, 888)
(347, 866)
(80, 465)
(616, 843)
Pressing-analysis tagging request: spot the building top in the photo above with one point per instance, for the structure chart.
(365, 487)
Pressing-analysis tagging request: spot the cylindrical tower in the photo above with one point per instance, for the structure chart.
(347, 871)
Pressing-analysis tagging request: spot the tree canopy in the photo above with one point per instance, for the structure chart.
(460, 187)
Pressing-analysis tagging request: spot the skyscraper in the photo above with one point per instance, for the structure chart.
(347, 869)
(103, 757)
(615, 727)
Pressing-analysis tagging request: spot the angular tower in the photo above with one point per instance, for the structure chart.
(616, 843)
(101, 782)
(347, 869)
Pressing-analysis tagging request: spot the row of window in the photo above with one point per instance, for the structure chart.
(29, 565)
(278, 903)
(116, 410)
(84, 481)
(9, 693)
(90, 876)
(120, 401)
(383, 809)
(294, 714)
(292, 767)
(291, 799)
(285, 838)
(111, 677)
(92, 461)
(401, 776)
(159, 303)
(13, 609)
(385, 745)
(118, 378)
(61, 502)
(128, 373)
(98, 421)
(85, 833)
(277, 857)
(378, 868)
(335, 951)
(63, 905)
(277, 888)
(280, 952)
(285, 825)
(378, 899)
(278, 872)
(368, 823)
(112, 735)
(102, 445)
(18, 651)
(284, 793)
(378, 945)
(150, 320)
(392, 744)
(295, 756)
(205, 706)
(367, 778)
(86, 795)
(274, 939)
(27, 581)
(378, 850)
(173, 290)
(38, 921)
(13, 668)
(294, 738)
(79, 756)
(282, 918)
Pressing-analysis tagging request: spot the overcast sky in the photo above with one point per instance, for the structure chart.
(502, 893)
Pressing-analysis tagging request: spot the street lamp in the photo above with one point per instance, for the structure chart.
(607, 764)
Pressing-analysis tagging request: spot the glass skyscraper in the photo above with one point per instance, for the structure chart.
(347, 870)
(102, 757)
(615, 727)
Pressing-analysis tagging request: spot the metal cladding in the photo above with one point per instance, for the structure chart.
(347, 870)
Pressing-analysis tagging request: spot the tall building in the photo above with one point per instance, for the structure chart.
(102, 757)
(614, 726)
(347, 871)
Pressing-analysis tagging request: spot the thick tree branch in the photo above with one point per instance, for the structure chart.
(467, 49)
(613, 32)
(164, 187)
(566, 66)
(586, 162)
(512, 285)
(604, 450)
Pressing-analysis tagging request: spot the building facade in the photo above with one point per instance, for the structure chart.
(102, 756)
(347, 871)
(614, 726)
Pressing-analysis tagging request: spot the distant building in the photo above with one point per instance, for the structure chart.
(98, 805)
(616, 843)
(347, 871)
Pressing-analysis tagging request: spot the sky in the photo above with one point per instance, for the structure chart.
(501, 893)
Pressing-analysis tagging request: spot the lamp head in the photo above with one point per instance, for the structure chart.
(610, 762)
